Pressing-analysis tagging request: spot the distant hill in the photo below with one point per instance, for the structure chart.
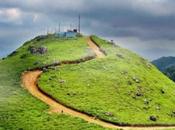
(166, 65)
(121, 87)
(164, 62)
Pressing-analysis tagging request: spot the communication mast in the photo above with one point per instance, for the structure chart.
(79, 22)
(59, 27)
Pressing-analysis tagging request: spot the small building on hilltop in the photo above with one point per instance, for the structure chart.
(68, 34)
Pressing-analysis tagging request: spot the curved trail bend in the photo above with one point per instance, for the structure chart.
(29, 81)
(95, 48)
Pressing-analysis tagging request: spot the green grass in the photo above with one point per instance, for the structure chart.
(121, 88)
(59, 49)
(18, 109)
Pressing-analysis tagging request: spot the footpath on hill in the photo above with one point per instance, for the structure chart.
(29, 81)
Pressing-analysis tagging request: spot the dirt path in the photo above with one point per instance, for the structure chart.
(95, 48)
(29, 81)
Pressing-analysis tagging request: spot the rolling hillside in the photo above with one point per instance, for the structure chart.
(18, 109)
(116, 86)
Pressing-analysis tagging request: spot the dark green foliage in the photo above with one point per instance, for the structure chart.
(12, 54)
(164, 62)
(166, 65)
(170, 72)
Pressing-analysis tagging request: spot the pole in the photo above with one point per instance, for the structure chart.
(79, 22)
(59, 27)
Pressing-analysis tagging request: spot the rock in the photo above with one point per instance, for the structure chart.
(149, 65)
(146, 107)
(129, 83)
(173, 112)
(124, 72)
(153, 118)
(146, 101)
(139, 94)
(32, 49)
(42, 50)
(37, 50)
(56, 62)
(139, 91)
(62, 81)
(162, 91)
(52, 67)
(71, 94)
(109, 114)
(45, 70)
(134, 97)
(158, 108)
(120, 56)
(136, 79)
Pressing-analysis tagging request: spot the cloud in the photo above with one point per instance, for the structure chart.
(12, 15)
(148, 21)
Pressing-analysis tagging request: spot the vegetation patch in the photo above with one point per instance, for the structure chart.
(120, 90)
(19, 110)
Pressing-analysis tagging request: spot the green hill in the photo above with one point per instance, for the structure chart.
(18, 109)
(164, 62)
(122, 84)
(121, 87)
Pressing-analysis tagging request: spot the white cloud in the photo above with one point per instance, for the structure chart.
(10, 15)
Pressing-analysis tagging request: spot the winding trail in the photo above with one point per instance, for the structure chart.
(95, 48)
(29, 81)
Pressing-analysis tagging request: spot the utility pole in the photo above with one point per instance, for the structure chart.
(79, 22)
(59, 27)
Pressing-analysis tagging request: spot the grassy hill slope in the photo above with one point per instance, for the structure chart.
(18, 109)
(121, 88)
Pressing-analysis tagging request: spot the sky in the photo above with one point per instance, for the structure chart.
(146, 27)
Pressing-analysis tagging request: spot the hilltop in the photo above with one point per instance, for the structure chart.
(119, 87)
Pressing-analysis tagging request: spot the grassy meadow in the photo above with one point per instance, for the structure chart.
(19, 110)
(121, 88)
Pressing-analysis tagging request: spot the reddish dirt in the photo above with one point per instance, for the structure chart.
(95, 48)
